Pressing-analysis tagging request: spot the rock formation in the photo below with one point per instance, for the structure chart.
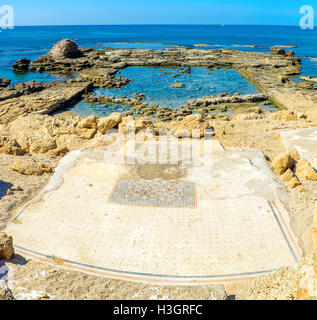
(6, 246)
(63, 49)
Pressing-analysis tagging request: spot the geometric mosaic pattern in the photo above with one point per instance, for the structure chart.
(157, 193)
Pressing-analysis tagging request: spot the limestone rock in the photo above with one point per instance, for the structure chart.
(178, 85)
(126, 124)
(143, 123)
(255, 110)
(305, 171)
(9, 192)
(129, 124)
(45, 168)
(6, 246)
(5, 292)
(4, 82)
(89, 122)
(43, 146)
(281, 163)
(294, 182)
(21, 65)
(60, 151)
(27, 167)
(66, 48)
(294, 154)
(277, 50)
(197, 117)
(107, 123)
(287, 175)
(248, 116)
(284, 115)
(16, 187)
(10, 146)
(87, 133)
(193, 124)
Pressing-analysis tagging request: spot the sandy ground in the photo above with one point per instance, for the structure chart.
(31, 280)
(30, 185)
(39, 281)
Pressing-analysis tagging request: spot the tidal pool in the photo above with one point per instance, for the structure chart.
(156, 84)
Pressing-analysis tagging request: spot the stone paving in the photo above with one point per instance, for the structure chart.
(237, 228)
(304, 141)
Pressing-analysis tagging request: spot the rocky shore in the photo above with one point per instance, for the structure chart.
(33, 138)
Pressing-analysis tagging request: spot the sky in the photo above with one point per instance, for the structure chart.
(88, 12)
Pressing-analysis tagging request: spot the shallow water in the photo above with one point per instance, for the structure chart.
(7, 59)
(156, 84)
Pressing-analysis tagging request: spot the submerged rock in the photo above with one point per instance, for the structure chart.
(178, 85)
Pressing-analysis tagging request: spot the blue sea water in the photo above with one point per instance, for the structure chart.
(156, 84)
(31, 42)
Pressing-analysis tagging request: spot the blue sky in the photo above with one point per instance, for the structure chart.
(73, 12)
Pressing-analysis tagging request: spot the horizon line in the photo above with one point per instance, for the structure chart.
(157, 24)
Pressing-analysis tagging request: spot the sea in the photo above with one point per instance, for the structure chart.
(31, 42)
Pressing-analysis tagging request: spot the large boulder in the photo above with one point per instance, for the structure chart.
(10, 146)
(281, 163)
(284, 115)
(305, 171)
(130, 124)
(27, 167)
(43, 146)
(6, 246)
(192, 125)
(294, 182)
(66, 48)
(88, 123)
(21, 65)
(287, 175)
(107, 123)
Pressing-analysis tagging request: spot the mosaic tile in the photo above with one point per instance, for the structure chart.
(158, 193)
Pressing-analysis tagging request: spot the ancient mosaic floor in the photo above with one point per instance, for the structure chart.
(155, 193)
(209, 215)
(304, 141)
